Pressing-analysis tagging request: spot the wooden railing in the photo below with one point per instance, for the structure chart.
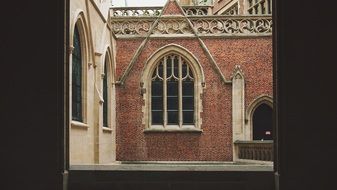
(255, 150)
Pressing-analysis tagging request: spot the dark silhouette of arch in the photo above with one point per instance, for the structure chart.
(262, 123)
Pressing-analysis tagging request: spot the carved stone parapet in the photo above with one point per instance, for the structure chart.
(232, 25)
(204, 25)
(131, 26)
(136, 11)
(196, 10)
(173, 26)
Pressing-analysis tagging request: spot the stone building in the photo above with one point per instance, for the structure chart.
(171, 83)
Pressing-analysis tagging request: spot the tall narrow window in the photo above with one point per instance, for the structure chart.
(172, 92)
(105, 93)
(77, 78)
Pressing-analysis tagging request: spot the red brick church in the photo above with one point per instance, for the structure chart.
(187, 84)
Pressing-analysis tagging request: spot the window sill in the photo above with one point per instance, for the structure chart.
(173, 128)
(80, 125)
(107, 129)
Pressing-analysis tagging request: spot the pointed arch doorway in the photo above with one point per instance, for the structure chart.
(262, 122)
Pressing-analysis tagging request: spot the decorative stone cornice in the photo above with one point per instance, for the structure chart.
(123, 27)
(203, 25)
(172, 26)
(233, 25)
(197, 10)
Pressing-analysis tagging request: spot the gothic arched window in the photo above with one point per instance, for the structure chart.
(172, 92)
(77, 114)
(105, 93)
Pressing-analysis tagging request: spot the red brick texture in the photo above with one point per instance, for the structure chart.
(254, 55)
(172, 8)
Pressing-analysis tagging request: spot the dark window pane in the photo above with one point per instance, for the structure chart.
(76, 78)
(176, 67)
(188, 88)
(188, 117)
(184, 70)
(172, 88)
(105, 94)
(169, 66)
(157, 88)
(157, 117)
(172, 103)
(172, 117)
(157, 103)
(188, 103)
(160, 70)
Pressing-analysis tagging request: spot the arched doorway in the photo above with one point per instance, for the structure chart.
(262, 123)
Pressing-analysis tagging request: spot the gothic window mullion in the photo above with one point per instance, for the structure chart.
(165, 92)
(180, 94)
(172, 93)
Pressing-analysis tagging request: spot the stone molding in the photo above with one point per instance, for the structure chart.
(203, 25)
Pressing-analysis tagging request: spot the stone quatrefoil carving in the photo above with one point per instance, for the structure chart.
(172, 27)
(219, 25)
(237, 25)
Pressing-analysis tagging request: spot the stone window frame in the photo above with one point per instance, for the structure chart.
(262, 99)
(199, 85)
(110, 78)
(80, 23)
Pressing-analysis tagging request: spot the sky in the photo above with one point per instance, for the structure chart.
(138, 3)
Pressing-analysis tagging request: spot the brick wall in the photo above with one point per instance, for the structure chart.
(215, 142)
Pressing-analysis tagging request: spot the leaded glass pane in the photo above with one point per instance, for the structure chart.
(157, 88)
(172, 97)
(169, 64)
(172, 88)
(188, 88)
(172, 103)
(77, 78)
(188, 117)
(105, 94)
(157, 117)
(157, 103)
(172, 117)
(157, 95)
(188, 103)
